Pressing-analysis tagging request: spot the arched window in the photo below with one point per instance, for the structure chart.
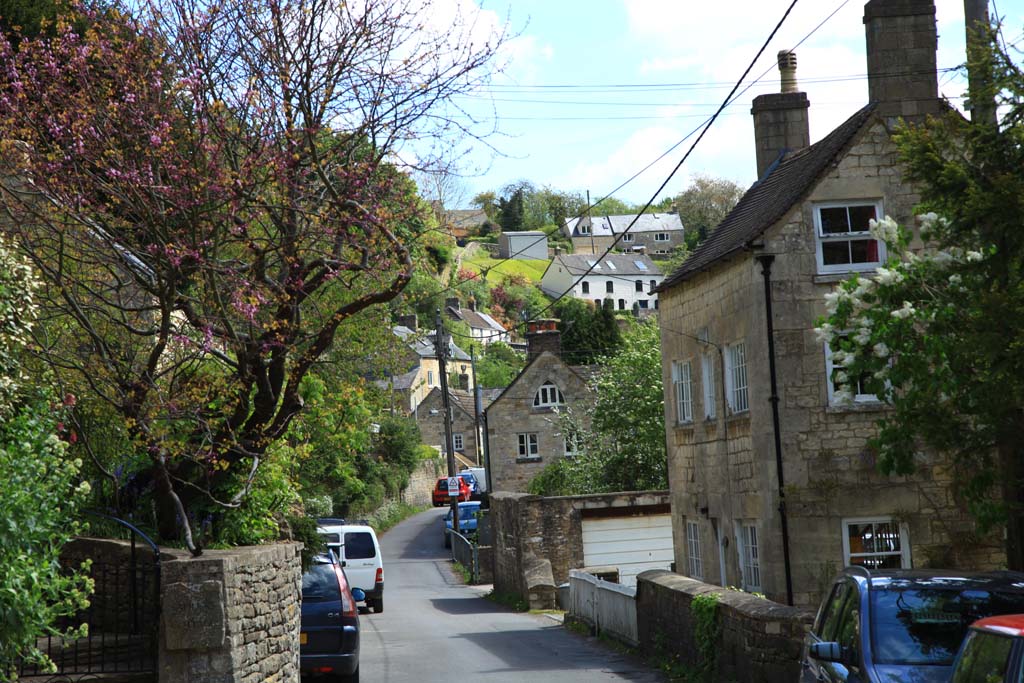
(586, 287)
(548, 396)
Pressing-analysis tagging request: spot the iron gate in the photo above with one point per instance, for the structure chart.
(123, 618)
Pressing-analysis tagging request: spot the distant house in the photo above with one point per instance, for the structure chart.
(626, 279)
(524, 426)
(483, 328)
(529, 245)
(459, 223)
(419, 370)
(651, 233)
(430, 418)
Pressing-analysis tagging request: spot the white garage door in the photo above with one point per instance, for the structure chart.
(633, 544)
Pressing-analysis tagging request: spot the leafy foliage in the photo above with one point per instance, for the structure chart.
(588, 331)
(40, 490)
(939, 333)
(703, 205)
(499, 366)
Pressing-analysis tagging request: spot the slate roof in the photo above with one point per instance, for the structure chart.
(464, 399)
(423, 344)
(476, 319)
(624, 264)
(770, 198)
(606, 226)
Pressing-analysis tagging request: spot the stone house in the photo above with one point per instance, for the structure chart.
(773, 485)
(628, 280)
(430, 418)
(416, 371)
(651, 233)
(524, 422)
(482, 327)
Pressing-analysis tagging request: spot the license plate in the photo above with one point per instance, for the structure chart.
(303, 638)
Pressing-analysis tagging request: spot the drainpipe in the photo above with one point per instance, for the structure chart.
(766, 270)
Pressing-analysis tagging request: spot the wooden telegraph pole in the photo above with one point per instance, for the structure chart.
(441, 346)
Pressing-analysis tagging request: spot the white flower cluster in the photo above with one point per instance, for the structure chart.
(904, 312)
(885, 230)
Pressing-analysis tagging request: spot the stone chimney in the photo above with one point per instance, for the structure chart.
(472, 303)
(780, 120)
(409, 321)
(452, 302)
(542, 335)
(901, 43)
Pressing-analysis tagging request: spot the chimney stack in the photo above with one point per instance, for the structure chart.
(780, 120)
(452, 302)
(542, 335)
(409, 321)
(901, 43)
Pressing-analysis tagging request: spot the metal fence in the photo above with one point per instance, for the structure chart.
(123, 618)
(607, 607)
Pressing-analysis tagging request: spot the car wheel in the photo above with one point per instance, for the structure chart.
(378, 606)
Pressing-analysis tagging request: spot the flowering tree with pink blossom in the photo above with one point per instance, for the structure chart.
(209, 190)
(938, 332)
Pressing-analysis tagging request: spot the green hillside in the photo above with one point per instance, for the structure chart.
(498, 268)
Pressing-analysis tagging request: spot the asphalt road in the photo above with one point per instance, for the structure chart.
(434, 628)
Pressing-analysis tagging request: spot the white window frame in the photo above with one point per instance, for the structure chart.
(682, 384)
(737, 385)
(572, 443)
(707, 381)
(662, 237)
(609, 287)
(819, 238)
(750, 556)
(548, 396)
(694, 562)
(585, 287)
(830, 386)
(584, 229)
(528, 445)
(458, 442)
(430, 378)
(638, 285)
(627, 237)
(904, 533)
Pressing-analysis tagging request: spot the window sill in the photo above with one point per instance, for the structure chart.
(831, 278)
(547, 409)
(856, 407)
(534, 458)
(684, 425)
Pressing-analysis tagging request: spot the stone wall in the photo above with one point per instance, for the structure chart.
(430, 418)
(421, 482)
(722, 472)
(759, 641)
(528, 529)
(231, 616)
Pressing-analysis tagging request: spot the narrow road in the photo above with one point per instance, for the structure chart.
(434, 628)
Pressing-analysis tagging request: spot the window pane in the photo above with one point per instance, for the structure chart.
(862, 251)
(835, 253)
(834, 221)
(859, 217)
(359, 546)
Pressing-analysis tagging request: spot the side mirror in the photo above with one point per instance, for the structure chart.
(828, 652)
(358, 594)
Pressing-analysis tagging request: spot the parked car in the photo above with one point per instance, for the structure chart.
(359, 552)
(472, 483)
(901, 625)
(329, 622)
(467, 521)
(993, 652)
(440, 495)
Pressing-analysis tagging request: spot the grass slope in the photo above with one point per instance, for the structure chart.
(497, 269)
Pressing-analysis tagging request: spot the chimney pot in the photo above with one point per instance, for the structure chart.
(787, 70)
(452, 302)
(542, 335)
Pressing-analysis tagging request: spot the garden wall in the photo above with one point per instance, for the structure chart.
(759, 640)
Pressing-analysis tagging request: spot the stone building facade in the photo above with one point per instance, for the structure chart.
(525, 430)
(651, 233)
(430, 418)
(732, 487)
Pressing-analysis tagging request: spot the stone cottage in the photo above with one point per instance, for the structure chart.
(430, 418)
(651, 233)
(524, 422)
(773, 485)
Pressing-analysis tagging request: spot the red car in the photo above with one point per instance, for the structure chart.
(992, 651)
(440, 496)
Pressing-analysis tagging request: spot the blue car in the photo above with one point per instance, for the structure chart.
(472, 483)
(467, 520)
(329, 630)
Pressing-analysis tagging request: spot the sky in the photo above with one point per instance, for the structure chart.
(593, 92)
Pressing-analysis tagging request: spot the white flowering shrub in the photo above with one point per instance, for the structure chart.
(39, 491)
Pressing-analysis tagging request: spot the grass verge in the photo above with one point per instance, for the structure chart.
(509, 600)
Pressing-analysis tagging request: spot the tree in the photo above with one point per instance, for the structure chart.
(939, 333)
(40, 490)
(625, 446)
(704, 204)
(208, 198)
(498, 366)
(588, 332)
(510, 211)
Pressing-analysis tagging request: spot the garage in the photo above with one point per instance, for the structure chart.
(631, 544)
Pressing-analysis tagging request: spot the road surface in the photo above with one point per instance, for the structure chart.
(434, 628)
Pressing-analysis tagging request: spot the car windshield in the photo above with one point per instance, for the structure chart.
(320, 584)
(984, 658)
(927, 625)
(359, 546)
(468, 478)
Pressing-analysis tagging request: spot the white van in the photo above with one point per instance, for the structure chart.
(357, 547)
(481, 476)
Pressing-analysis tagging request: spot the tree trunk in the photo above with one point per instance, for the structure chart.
(1011, 473)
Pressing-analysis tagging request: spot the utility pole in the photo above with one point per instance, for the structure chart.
(441, 346)
(478, 408)
(977, 27)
